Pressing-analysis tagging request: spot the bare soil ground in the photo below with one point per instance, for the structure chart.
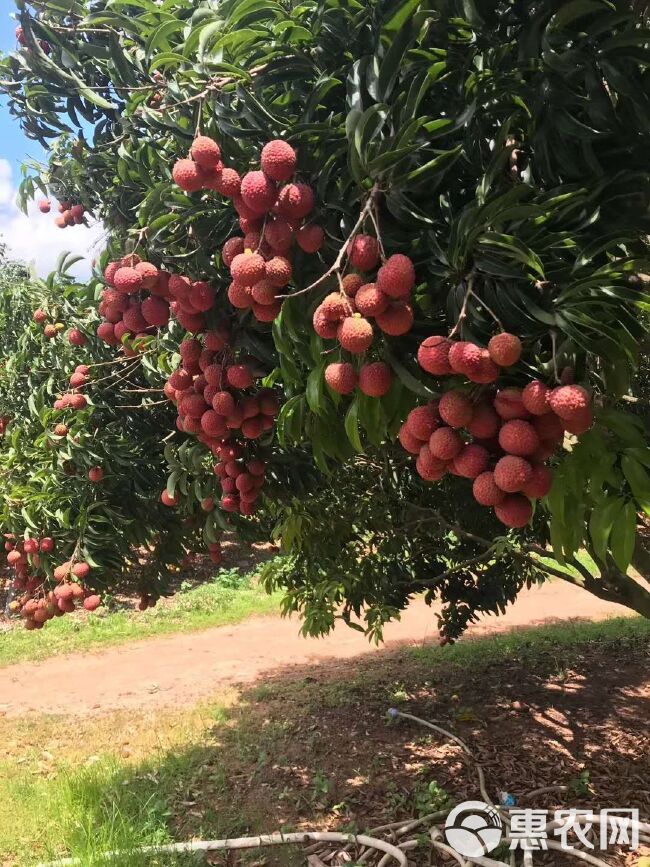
(183, 669)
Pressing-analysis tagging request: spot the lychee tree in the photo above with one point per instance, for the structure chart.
(400, 251)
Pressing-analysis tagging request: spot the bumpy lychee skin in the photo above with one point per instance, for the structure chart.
(239, 376)
(514, 511)
(580, 422)
(278, 160)
(535, 397)
(168, 500)
(127, 280)
(92, 603)
(508, 404)
(370, 300)
(540, 482)
(295, 201)
(279, 235)
(155, 311)
(423, 421)
(324, 327)
(456, 409)
(464, 356)
(569, 401)
(335, 307)
(445, 443)
(363, 252)
(110, 271)
(351, 284)
(549, 427)
(505, 349)
(430, 468)
(76, 337)
(512, 473)
(188, 175)
(240, 296)
(341, 377)
(355, 334)
(433, 355)
(486, 370)
(518, 437)
(149, 274)
(310, 238)
(229, 184)
(396, 320)
(278, 271)
(486, 491)
(485, 422)
(375, 379)
(408, 442)
(233, 247)
(264, 292)
(247, 269)
(471, 461)
(106, 332)
(206, 152)
(396, 277)
(258, 192)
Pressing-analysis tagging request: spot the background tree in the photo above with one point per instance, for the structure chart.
(500, 147)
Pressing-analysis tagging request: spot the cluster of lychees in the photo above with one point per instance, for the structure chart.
(499, 439)
(346, 315)
(215, 401)
(273, 214)
(35, 604)
(69, 214)
(74, 399)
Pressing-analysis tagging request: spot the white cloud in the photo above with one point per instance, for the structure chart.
(34, 239)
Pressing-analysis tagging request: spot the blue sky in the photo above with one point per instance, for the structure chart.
(34, 238)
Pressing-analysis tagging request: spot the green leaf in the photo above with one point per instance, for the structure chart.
(352, 426)
(623, 536)
(601, 521)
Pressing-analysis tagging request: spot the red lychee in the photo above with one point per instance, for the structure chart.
(224, 403)
(505, 349)
(471, 461)
(430, 468)
(512, 473)
(423, 421)
(278, 160)
(310, 238)
(201, 296)
(518, 437)
(155, 311)
(485, 422)
(508, 404)
(278, 271)
(539, 483)
(295, 201)
(370, 301)
(95, 474)
(408, 441)
(324, 327)
(233, 247)
(355, 334)
(279, 235)
(445, 443)
(396, 320)
(258, 192)
(433, 355)
(341, 377)
(127, 280)
(106, 332)
(535, 397)
(486, 491)
(148, 273)
(76, 337)
(455, 409)
(375, 379)
(92, 603)
(206, 152)
(240, 296)
(213, 424)
(514, 511)
(396, 277)
(44, 206)
(351, 284)
(188, 175)
(335, 307)
(168, 499)
(363, 252)
(569, 401)
(247, 269)
(549, 428)
(580, 422)
(239, 376)
(229, 184)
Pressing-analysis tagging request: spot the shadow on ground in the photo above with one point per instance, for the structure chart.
(312, 747)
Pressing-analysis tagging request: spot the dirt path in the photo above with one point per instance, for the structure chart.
(182, 669)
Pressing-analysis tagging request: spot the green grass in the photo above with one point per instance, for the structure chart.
(230, 598)
(69, 789)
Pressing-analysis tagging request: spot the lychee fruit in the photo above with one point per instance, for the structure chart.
(278, 234)
(505, 349)
(370, 300)
(309, 238)
(351, 284)
(539, 483)
(76, 337)
(485, 422)
(127, 280)
(535, 397)
(247, 269)
(188, 175)
(433, 355)
(324, 327)
(155, 311)
(44, 206)
(206, 152)
(240, 296)
(39, 316)
(471, 461)
(341, 377)
(239, 376)
(81, 570)
(428, 467)
(278, 160)
(569, 401)
(335, 307)
(396, 277)
(514, 511)
(423, 421)
(60, 430)
(580, 422)
(486, 491)
(518, 437)
(47, 545)
(169, 500)
(95, 474)
(92, 603)
(455, 409)
(409, 442)
(295, 201)
(363, 252)
(258, 192)
(512, 473)
(375, 379)
(445, 443)
(224, 403)
(509, 404)
(278, 271)
(106, 332)
(229, 184)
(355, 334)
(233, 247)
(396, 320)
(149, 274)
